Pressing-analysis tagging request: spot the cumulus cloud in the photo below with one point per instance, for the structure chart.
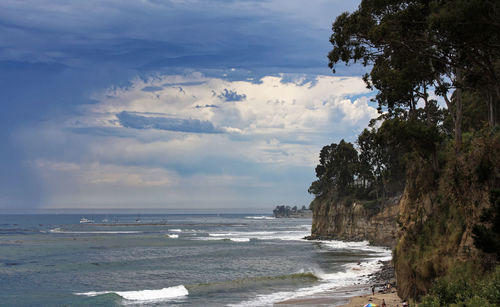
(284, 122)
(159, 143)
(301, 105)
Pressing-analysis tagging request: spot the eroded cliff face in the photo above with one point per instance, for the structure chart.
(437, 213)
(355, 221)
(430, 225)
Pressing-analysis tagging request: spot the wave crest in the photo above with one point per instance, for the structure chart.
(145, 295)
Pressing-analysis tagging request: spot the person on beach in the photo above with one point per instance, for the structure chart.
(373, 290)
(383, 303)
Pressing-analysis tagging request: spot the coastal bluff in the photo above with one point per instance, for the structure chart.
(356, 221)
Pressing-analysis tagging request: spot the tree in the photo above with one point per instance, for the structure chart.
(337, 169)
(415, 45)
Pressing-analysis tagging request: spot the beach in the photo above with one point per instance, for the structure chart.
(341, 298)
(391, 299)
(345, 298)
(356, 295)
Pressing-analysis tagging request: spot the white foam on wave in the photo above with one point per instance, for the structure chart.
(239, 233)
(145, 295)
(175, 230)
(240, 239)
(362, 246)
(293, 235)
(351, 274)
(223, 239)
(172, 236)
(260, 217)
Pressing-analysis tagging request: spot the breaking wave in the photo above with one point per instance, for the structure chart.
(350, 275)
(145, 295)
(242, 236)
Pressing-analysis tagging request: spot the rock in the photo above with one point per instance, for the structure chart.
(334, 220)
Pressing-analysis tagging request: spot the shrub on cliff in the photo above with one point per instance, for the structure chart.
(463, 287)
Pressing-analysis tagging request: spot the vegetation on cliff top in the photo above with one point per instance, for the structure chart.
(423, 54)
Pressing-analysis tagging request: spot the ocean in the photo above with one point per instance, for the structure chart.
(172, 260)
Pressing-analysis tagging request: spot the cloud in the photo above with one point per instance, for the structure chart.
(151, 72)
(130, 120)
(301, 106)
(156, 148)
(151, 36)
(230, 96)
(206, 106)
(152, 88)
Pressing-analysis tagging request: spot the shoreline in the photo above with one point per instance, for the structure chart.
(355, 295)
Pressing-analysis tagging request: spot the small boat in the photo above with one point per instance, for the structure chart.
(85, 221)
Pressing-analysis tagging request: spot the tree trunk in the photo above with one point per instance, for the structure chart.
(493, 106)
(458, 110)
(491, 111)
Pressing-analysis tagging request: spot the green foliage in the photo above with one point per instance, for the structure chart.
(415, 46)
(463, 286)
(337, 169)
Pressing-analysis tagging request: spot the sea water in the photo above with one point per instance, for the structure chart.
(171, 260)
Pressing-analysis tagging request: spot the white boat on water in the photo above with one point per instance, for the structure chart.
(85, 221)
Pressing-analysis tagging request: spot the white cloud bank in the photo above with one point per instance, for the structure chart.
(199, 142)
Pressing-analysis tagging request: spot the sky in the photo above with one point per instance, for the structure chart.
(173, 104)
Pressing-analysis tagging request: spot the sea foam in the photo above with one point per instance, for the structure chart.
(145, 295)
(242, 236)
(350, 275)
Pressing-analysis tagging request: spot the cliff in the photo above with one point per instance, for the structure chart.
(355, 221)
(431, 224)
(438, 211)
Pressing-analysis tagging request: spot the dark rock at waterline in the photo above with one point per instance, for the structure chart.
(384, 276)
(318, 238)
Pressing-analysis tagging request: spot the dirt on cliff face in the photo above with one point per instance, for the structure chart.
(437, 213)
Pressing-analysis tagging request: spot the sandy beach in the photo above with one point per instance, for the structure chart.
(391, 299)
(341, 298)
